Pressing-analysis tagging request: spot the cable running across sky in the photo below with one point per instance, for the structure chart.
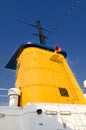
(75, 4)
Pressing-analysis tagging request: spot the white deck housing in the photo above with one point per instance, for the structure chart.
(43, 117)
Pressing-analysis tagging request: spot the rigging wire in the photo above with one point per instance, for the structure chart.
(3, 95)
(3, 89)
(75, 4)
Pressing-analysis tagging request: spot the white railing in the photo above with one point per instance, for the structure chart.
(4, 99)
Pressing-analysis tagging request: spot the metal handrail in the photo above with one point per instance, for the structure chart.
(4, 99)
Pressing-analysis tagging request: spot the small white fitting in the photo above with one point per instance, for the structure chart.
(84, 83)
(14, 94)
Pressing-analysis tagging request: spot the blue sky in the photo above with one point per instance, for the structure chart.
(70, 33)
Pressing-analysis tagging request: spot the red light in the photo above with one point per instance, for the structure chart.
(58, 49)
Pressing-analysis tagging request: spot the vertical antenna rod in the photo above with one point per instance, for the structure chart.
(41, 36)
(40, 32)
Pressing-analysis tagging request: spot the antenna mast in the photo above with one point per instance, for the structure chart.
(40, 32)
(41, 36)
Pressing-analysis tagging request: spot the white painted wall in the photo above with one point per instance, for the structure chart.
(53, 117)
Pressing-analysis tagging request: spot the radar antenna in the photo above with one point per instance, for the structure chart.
(40, 32)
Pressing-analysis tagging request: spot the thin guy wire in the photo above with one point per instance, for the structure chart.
(65, 15)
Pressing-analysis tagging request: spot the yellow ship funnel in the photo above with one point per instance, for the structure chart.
(43, 76)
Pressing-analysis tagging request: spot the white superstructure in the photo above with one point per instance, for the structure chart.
(43, 117)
